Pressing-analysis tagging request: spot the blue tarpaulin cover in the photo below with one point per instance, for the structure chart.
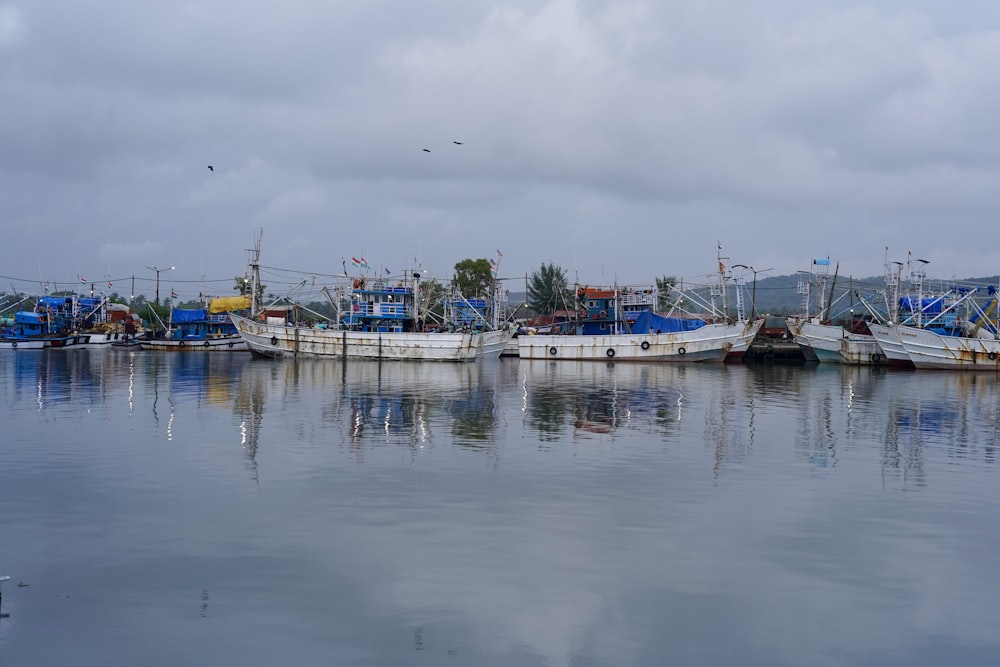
(187, 315)
(649, 321)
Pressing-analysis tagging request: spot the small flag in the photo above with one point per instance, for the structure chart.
(359, 262)
(173, 294)
(499, 254)
(82, 279)
(109, 283)
(387, 272)
(364, 263)
(343, 262)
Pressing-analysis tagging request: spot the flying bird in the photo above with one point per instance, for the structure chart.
(457, 143)
(211, 168)
(427, 150)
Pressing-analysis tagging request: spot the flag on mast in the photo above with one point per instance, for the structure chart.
(82, 279)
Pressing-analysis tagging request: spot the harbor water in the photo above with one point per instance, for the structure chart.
(170, 509)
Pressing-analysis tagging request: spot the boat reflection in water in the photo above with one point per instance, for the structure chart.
(372, 404)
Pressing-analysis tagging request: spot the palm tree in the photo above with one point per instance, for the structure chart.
(548, 290)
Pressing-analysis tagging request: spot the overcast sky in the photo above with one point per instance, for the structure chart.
(619, 140)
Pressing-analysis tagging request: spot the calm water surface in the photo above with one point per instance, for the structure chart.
(212, 509)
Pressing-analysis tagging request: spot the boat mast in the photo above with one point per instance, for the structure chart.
(254, 263)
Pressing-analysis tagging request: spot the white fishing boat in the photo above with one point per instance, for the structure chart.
(707, 343)
(376, 319)
(284, 340)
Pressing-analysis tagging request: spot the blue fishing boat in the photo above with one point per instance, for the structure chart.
(208, 329)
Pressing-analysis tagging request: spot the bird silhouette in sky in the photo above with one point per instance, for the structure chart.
(457, 143)
(427, 150)
(211, 168)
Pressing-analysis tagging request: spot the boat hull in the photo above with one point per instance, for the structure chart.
(22, 344)
(275, 340)
(930, 350)
(861, 350)
(818, 342)
(233, 343)
(888, 341)
(710, 343)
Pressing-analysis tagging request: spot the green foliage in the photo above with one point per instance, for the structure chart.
(430, 301)
(473, 278)
(242, 285)
(548, 290)
(664, 292)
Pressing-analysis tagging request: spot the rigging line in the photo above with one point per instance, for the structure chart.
(304, 273)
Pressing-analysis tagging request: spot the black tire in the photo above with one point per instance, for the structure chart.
(876, 357)
(553, 350)
(610, 352)
(230, 343)
(645, 345)
(274, 340)
(992, 356)
(206, 343)
(14, 345)
(681, 351)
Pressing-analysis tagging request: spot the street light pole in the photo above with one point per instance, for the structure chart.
(158, 272)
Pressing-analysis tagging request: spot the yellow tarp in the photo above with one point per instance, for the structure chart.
(228, 304)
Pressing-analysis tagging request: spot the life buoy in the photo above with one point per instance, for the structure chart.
(992, 356)
(681, 351)
(602, 315)
(553, 350)
(645, 345)
(876, 357)
(610, 352)
(274, 340)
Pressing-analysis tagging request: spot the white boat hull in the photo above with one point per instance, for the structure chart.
(861, 350)
(892, 348)
(818, 342)
(275, 340)
(22, 344)
(930, 350)
(710, 343)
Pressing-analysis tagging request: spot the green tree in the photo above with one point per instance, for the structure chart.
(473, 278)
(242, 285)
(665, 295)
(548, 290)
(430, 303)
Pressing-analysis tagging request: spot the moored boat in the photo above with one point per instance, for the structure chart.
(684, 343)
(207, 329)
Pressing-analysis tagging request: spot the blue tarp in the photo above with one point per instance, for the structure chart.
(55, 302)
(648, 321)
(908, 304)
(188, 315)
